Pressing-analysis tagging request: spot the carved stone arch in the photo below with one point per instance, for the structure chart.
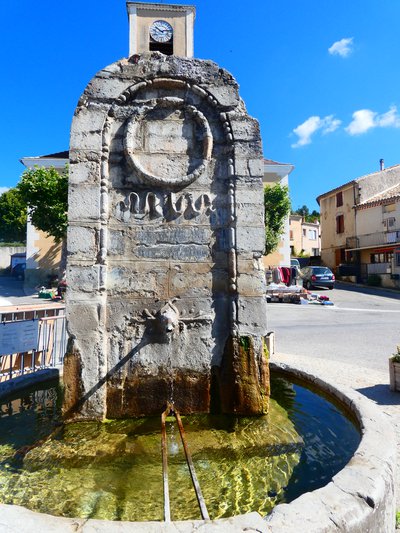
(134, 134)
(130, 94)
(134, 94)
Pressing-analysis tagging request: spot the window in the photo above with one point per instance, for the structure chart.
(390, 222)
(382, 257)
(291, 234)
(312, 234)
(340, 224)
(398, 259)
(304, 232)
(339, 199)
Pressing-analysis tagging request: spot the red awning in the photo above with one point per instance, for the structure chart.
(382, 250)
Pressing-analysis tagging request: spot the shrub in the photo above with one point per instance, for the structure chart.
(374, 280)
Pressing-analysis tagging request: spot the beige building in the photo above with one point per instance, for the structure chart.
(360, 226)
(43, 255)
(166, 28)
(275, 172)
(304, 237)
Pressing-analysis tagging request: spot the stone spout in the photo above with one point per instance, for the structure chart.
(168, 318)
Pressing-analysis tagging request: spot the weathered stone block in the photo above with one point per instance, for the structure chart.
(84, 173)
(100, 89)
(84, 203)
(82, 242)
(250, 238)
(226, 95)
(248, 150)
(252, 315)
(249, 214)
(244, 128)
(139, 280)
(82, 279)
(84, 316)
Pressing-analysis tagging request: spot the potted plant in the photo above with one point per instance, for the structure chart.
(394, 370)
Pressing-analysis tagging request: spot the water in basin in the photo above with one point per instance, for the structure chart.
(113, 470)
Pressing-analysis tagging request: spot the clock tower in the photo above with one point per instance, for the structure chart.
(167, 28)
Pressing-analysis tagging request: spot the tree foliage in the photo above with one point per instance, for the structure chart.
(305, 213)
(45, 192)
(12, 217)
(276, 208)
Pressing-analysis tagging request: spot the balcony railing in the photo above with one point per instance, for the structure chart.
(379, 268)
(380, 238)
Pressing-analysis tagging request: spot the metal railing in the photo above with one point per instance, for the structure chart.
(379, 268)
(47, 324)
(373, 239)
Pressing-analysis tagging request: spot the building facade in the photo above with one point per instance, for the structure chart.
(43, 254)
(304, 237)
(360, 227)
(274, 173)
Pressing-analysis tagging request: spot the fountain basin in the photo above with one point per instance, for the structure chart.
(359, 498)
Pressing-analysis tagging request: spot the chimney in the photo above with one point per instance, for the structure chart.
(382, 164)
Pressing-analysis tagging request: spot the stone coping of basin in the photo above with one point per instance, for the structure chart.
(359, 499)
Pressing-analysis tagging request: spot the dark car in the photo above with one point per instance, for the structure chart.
(317, 276)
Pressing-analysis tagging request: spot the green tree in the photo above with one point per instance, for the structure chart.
(276, 208)
(12, 217)
(305, 213)
(45, 192)
(302, 211)
(314, 216)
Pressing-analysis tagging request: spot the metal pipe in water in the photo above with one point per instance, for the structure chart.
(164, 449)
(196, 485)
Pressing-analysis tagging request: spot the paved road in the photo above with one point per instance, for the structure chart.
(12, 292)
(362, 328)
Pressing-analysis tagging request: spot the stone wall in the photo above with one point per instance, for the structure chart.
(166, 235)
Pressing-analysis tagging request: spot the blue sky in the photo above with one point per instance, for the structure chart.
(321, 76)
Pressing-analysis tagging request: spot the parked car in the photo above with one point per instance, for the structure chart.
(19, 271)
(317, 276)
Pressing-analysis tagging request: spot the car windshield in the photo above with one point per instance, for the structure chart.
(321, 270)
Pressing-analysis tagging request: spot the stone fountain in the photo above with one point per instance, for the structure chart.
(166, 297)
(166, 304)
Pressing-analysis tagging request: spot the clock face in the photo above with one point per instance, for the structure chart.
(161, 31)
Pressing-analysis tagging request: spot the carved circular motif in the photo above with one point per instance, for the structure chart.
(167, 142)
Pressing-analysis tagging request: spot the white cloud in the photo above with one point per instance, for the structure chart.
(342, 48)
(330, 124)
(3, 189)
(390, 118)
(365, 119)
(313, 124)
